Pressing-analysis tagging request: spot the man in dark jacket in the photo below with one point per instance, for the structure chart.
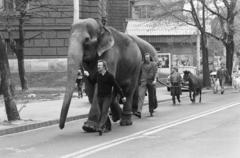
(105, 82)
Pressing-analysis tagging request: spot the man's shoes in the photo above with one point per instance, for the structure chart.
(104, 129)
(138, 114)
(88, 128)
(155, 106)
(100, 131)
(174, 103)
(222, 92)
(151, 114)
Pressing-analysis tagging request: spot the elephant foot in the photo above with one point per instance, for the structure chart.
(125, 123)
(126, 120)
(89, 127)
(115, 118)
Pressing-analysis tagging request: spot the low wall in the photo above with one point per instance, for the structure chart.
(40, 65)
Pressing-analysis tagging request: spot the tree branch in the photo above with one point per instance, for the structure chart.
(216, 37)
(195, 16)
(33, 36)
(212, 11)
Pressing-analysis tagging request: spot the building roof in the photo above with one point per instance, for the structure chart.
(159, 27)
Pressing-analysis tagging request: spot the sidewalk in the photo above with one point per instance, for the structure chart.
(46, 113)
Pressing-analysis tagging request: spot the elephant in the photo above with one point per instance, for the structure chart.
(90, 41)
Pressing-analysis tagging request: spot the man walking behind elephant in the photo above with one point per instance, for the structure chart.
(222, 74)
(175, 84)
(147, 83)
(79, 84)
(105, 82)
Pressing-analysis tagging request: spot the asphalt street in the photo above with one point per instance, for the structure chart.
(208, 130)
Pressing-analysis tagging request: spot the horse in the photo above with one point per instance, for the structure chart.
(194, 84)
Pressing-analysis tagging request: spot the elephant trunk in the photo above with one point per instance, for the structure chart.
(73, 63)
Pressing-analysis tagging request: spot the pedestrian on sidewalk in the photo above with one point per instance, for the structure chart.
(79, 83)
(175, 84)
(147, 83)
(105, 84)
(222, 75)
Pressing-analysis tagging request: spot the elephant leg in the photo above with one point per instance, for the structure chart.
(126, 118)
(93, 116)
(89, 90)
(115, 109)
(135, 101)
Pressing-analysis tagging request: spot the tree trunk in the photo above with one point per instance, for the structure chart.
(230, 45)
(10, 105)
(20, 56)
(229, 57)
(206, 75)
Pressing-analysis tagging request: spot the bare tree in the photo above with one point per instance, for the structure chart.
(5, 85)
(225, 11)
(18, 13)
(200, 11)
(21, 13)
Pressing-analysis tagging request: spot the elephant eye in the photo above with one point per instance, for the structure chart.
(87, 39)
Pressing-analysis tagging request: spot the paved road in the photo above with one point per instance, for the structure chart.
(210, 129)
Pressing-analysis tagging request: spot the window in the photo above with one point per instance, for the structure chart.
(8, 4)
(8, 46)
(1, 5)
(158, 49)
(13, 5)
(21, 5)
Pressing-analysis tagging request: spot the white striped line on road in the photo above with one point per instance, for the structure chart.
(93, 149)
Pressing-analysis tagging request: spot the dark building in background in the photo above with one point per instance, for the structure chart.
(46, 29)
(118, 11)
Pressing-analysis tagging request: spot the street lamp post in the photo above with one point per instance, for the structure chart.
(76, 10)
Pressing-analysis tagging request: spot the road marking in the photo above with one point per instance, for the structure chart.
(93, 149)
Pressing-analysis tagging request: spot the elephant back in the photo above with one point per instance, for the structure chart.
(145, 47)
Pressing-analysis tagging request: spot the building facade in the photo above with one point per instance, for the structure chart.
(47, 23)
(174, 40)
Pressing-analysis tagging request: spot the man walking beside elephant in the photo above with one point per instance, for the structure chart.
(105, 82)
(90, 41)
(147, 82)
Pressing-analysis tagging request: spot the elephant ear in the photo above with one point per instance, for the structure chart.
(105, 41)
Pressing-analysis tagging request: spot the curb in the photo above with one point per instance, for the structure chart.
(32, 126)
